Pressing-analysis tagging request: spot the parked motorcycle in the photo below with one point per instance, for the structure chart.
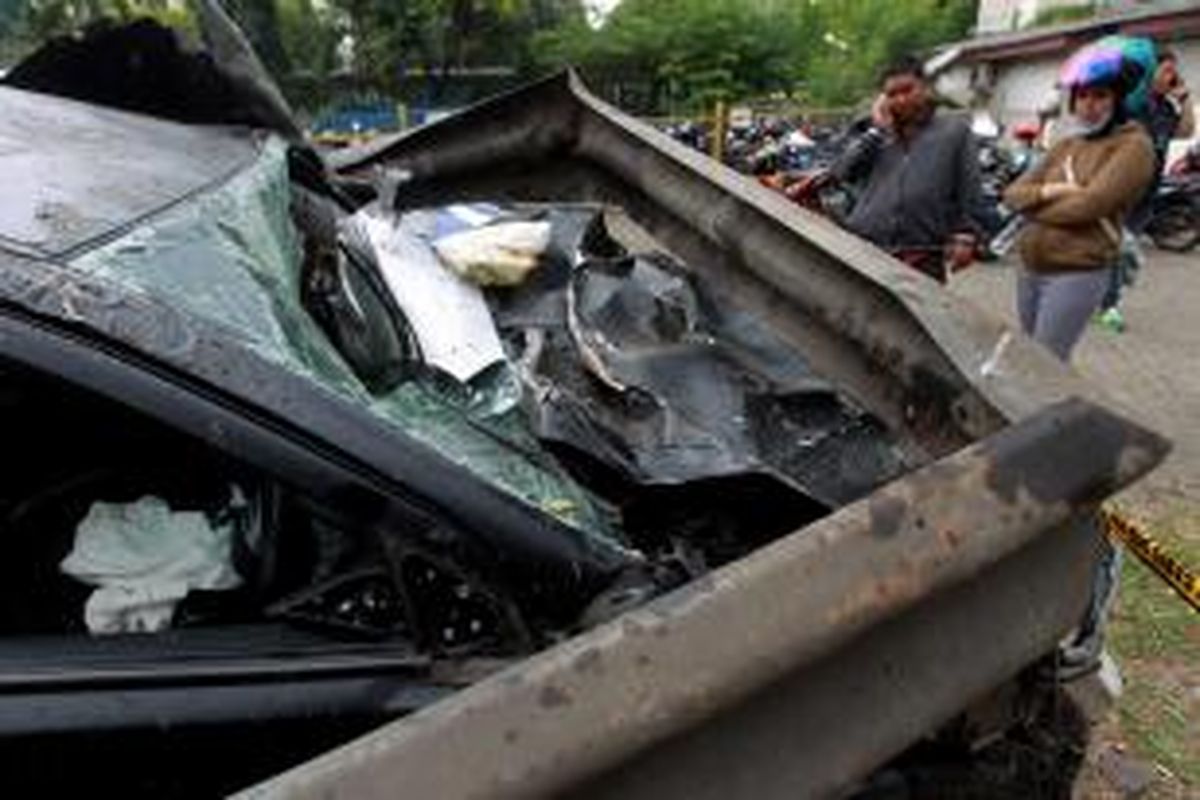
(692, 134)
(1175, 215)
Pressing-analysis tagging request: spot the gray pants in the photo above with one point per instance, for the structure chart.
(1054, 309)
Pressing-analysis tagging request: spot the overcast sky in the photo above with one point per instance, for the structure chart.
(598, 9)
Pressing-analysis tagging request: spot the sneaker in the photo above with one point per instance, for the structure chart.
(1110, 676)
(1081, 656)
(1112, 319)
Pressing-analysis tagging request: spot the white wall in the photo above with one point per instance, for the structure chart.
(1022, 88)
(955, 84)
(996, 16)
(1019, 89)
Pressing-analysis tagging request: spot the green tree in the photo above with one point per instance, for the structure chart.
(650, 55)
(289, 35)
(391, 39)
(310, 34)
(858, 40)
(25, 24)
(692, 51)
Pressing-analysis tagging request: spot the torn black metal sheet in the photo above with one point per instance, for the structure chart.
(632, 368)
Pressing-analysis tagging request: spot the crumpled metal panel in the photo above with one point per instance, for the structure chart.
(630, 364)
(722, 408)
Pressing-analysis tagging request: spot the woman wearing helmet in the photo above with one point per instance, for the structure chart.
(1076, 198)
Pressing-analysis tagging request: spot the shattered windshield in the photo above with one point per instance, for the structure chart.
(232, 255)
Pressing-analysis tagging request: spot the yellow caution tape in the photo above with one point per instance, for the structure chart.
(1152, 554)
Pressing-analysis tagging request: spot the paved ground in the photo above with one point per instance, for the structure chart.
(1150, 745)
(1153, 368)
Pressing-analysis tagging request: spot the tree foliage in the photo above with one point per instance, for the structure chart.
(310, 34)
(694, 50)
(872, 36)
(392, 37)
(652, 55)
(24, 24)
(828, 51)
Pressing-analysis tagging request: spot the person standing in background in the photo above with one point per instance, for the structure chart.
(1166, 113)
(920, 175)
(1076, 199)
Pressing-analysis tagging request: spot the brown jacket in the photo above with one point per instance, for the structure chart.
(1082, 231)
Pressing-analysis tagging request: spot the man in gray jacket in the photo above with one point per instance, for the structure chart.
(919, 173)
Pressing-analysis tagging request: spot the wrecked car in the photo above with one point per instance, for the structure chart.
(296, 453)
(280, 461)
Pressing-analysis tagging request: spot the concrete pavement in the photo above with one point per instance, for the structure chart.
(1152, 369)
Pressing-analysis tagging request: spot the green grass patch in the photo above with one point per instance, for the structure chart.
(1156, 721)
(1156, 637)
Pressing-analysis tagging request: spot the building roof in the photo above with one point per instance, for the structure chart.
(1169, 25)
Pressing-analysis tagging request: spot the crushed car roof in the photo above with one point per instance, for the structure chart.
(85, 172)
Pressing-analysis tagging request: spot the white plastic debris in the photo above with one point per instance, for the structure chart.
(503, 254)
(461, 216)
(992, 365)
(448, 315)
(144, 558)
